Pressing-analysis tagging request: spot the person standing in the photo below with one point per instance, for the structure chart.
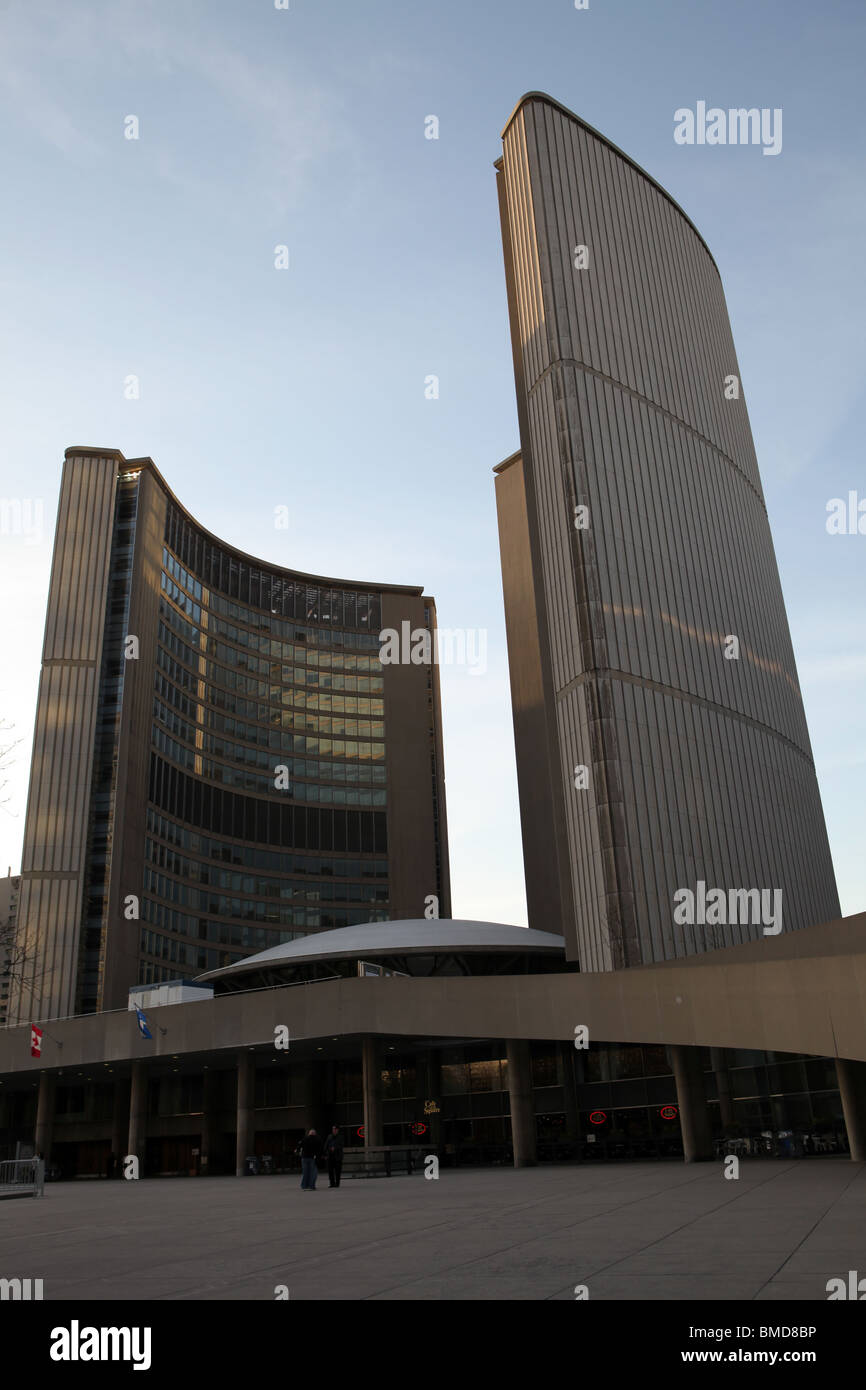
(334, 1154)
(310, 1147)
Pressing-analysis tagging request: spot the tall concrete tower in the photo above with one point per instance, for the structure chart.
(660, 732)
(221, 761)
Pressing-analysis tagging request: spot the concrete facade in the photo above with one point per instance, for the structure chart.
(211, 1076)
(636, 546)
(805, 993)
(155, 764)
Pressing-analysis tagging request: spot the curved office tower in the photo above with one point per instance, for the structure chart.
(648, 640)
(221, 763)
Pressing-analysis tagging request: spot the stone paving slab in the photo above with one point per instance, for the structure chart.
(651, 1231)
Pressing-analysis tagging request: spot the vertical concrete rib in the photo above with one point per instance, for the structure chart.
(620, 371)
(55, 831)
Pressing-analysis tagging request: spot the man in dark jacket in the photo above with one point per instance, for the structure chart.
(334, 1153)
(309, 1148)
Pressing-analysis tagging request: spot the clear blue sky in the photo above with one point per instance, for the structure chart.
(305, 388)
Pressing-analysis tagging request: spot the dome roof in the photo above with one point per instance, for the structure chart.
(414, 936)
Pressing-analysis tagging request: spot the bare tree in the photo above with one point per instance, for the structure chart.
(7, 746)
(16, 963)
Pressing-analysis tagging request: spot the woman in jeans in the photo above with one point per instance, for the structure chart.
(309, 1148)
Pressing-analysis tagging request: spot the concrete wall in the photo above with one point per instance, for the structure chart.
(700, 766)
(55, 829)
(54, 878)
(803, 994)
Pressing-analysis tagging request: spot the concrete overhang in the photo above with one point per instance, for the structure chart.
(803, 992)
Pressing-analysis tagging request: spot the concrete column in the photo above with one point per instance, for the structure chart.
(569, 1090)
(246, 1100)
(522, 1104)
(692, 1103)
(372, 1094)
(45, 1115)
(120, 1123)
(208, 1137)
(723, 1089)
(852, 1089)
(137, 1133)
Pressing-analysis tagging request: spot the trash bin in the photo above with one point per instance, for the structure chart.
(267, 1163)
(251, 1167)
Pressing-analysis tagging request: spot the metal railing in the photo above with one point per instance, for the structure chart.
(782, 1144)
(382, 1161)
(22, 1177)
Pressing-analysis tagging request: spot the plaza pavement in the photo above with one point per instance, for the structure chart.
(627, 1231)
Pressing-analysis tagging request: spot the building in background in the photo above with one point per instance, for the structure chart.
(220, 763)
(9, 889)
(478, 1042)
(660, 732)
(458, 1039)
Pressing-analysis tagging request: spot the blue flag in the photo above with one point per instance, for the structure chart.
(142, 1025)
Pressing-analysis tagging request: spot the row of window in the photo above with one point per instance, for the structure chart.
(169, 948)
(225, 666)
(281, 823)
(341, 726)
(192, 957)
(238, 659)
(334, 657)
(302, 699)
(280, 712)
(263, 784)
(204, 635)
(249, 858)
(102, 793)
(154, 943)
(214, 876)
(295, 653)
(159, 914)
(247, 909)
(201, 562)
(271, 741)
(180, 924)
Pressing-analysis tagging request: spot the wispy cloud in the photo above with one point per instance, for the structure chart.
(283, 119)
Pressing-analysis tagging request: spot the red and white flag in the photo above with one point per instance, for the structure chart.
(35, 1041)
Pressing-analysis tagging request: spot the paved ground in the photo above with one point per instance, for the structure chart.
(627, 1231)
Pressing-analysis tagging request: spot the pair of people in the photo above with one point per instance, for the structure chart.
(311, 1149)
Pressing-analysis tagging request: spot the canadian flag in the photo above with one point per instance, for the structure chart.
(35, 1041)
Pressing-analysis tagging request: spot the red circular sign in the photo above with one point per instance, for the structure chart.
(418, 1128)
(597, 1117)
(668, 1112)
(360, 1131)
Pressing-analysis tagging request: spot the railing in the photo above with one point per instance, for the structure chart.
(782, 1144)
(22, 1177)
(382, 1161)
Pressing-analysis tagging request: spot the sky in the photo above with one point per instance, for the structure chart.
(304, 388)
